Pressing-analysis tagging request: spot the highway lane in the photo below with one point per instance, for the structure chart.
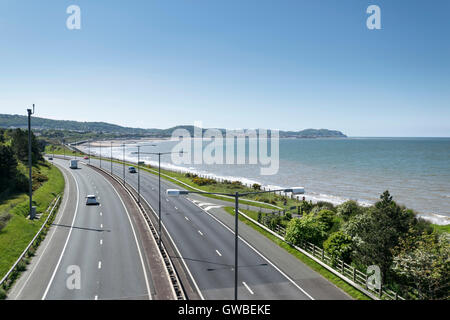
(99, 241)
(207, 247)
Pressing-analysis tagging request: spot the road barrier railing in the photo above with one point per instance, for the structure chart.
(18, 266)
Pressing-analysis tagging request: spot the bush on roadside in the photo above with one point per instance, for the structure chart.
(305, 206)
(4, 218)
(327, 217)
(2, 294)
(203, 181)
(256, 186)
(339, 245)
(308, 228)
(38, 179)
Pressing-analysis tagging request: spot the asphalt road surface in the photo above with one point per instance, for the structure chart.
(94, 247)
(206, 245)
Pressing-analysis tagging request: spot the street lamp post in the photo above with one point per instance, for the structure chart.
(30, 112)
(111, 157)
(237, 195)
(100, 154)
(123, 145)
(89, 152)
(139, 174)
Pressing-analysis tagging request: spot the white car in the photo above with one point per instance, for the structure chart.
(91, 199)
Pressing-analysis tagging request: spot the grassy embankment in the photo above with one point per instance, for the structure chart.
(440, 228)
(19, 230)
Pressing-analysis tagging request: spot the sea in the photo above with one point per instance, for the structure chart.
(416, 171)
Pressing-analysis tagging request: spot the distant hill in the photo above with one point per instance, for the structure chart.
(20, 121)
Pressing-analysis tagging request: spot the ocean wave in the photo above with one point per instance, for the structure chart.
(435, 218)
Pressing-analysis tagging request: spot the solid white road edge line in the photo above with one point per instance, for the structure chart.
(67, 240)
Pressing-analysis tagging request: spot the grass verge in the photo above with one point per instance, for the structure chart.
(19, 231)
(440, 228)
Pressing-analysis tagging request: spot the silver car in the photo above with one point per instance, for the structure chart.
(91, 199)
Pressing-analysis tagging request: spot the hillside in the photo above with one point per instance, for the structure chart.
(49, 126)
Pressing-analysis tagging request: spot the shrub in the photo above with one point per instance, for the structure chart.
(256, 186)
(339, 245)
(326, 205)
(203, 181)
(236, 184)
(306, 206)
(21, 266)
(2, 294)
(327, 217)
(38, 179)
(4, 218)
(273, 222)
(309, 228)
(348, 209)
(287, 216)
(422, 262)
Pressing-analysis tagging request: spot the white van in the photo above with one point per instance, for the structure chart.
(73, 164)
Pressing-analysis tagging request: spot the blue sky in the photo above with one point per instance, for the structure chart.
(286, 65)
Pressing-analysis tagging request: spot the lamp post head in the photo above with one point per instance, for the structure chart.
(176, 192)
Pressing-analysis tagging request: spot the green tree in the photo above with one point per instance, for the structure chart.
(8, 167)
(339, 245)
(327, 217)
(423, 263)
(376, 232)
(256, 186)
(305, 206)
(19, 145)
(348, 209)
(308, 228)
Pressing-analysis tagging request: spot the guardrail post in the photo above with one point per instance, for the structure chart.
(314, 250)
(342, 267)
(354, 274)
(323, 254)
(381, 290)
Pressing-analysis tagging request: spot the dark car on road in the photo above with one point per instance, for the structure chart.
(132, 170)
